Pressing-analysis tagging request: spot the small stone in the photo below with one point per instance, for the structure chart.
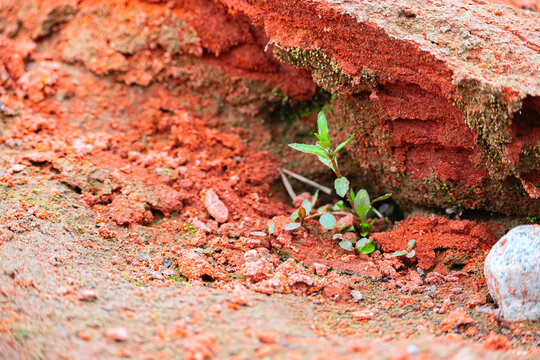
(512, 270)
(496, 342)
(455, 319)
(84, 336)
(87, 295)
(356, 295)
(265, 351)
(117, 334)
(268, 337)
(17, 168)
(445, 306)
(5, 235)
(362, 315)
(156, 275)
(251, 255)
(240, 296)
(412, 349)
(215, 207)
(320, 269)
(256, 271)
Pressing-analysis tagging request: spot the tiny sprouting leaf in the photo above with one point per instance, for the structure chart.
(306, 205)
(321, 144)
(342, 186)
(302, 213)
(362, 242)
(362, 203)
(323, 129)
(410, 245)
(399, 253)
(328, 221)
(411, 254)
(343, 144)
(353, 195)
(347, 245)
(291, 226)
(326, 162)
(340, 205)
(337, 236)
(294, 215)
(258, 233)
(381, 198)
(314, 200)
(367, 248)
(310, 149)
(271, 229)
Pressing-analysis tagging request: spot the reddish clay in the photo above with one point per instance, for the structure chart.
(431, 234)
(456, 319)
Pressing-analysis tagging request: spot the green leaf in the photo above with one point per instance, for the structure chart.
(328, 221)
(410, 254)
(315, 197)
(294, 215)
(351, 191)
(326, 162)
(337, 236)
(365, 246)
(367, 249)
(381, 198)
(361, 203)
(362, 242)
(307, 205)
(343, 144)
(399, 253)
(347, 245)
(410, 245)
(291, 226)
(310, 149)
(323, 129)
(342, 186)
(340, 205)
(271, 229)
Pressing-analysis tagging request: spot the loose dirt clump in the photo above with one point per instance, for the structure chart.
(135, 222)
(435, 234)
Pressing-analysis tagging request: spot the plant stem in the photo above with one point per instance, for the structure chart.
(338, 174)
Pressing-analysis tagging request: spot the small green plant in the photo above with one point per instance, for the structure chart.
(409, 253)
(361, 204)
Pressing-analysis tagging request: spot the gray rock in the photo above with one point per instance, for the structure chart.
(512, 270)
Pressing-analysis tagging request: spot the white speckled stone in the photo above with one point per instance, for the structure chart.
(512, 270)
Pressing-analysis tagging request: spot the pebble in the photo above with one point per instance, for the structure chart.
(362, 315)
(455, 319)
(320, 269)
(215, 207)
(156, 275)
(251, 255)
(117, 334)
(87, 295)
(412, 349)
(356, 295)
(512, 270)
(84, 336)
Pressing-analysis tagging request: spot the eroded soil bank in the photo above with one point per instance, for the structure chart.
(113, 141)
